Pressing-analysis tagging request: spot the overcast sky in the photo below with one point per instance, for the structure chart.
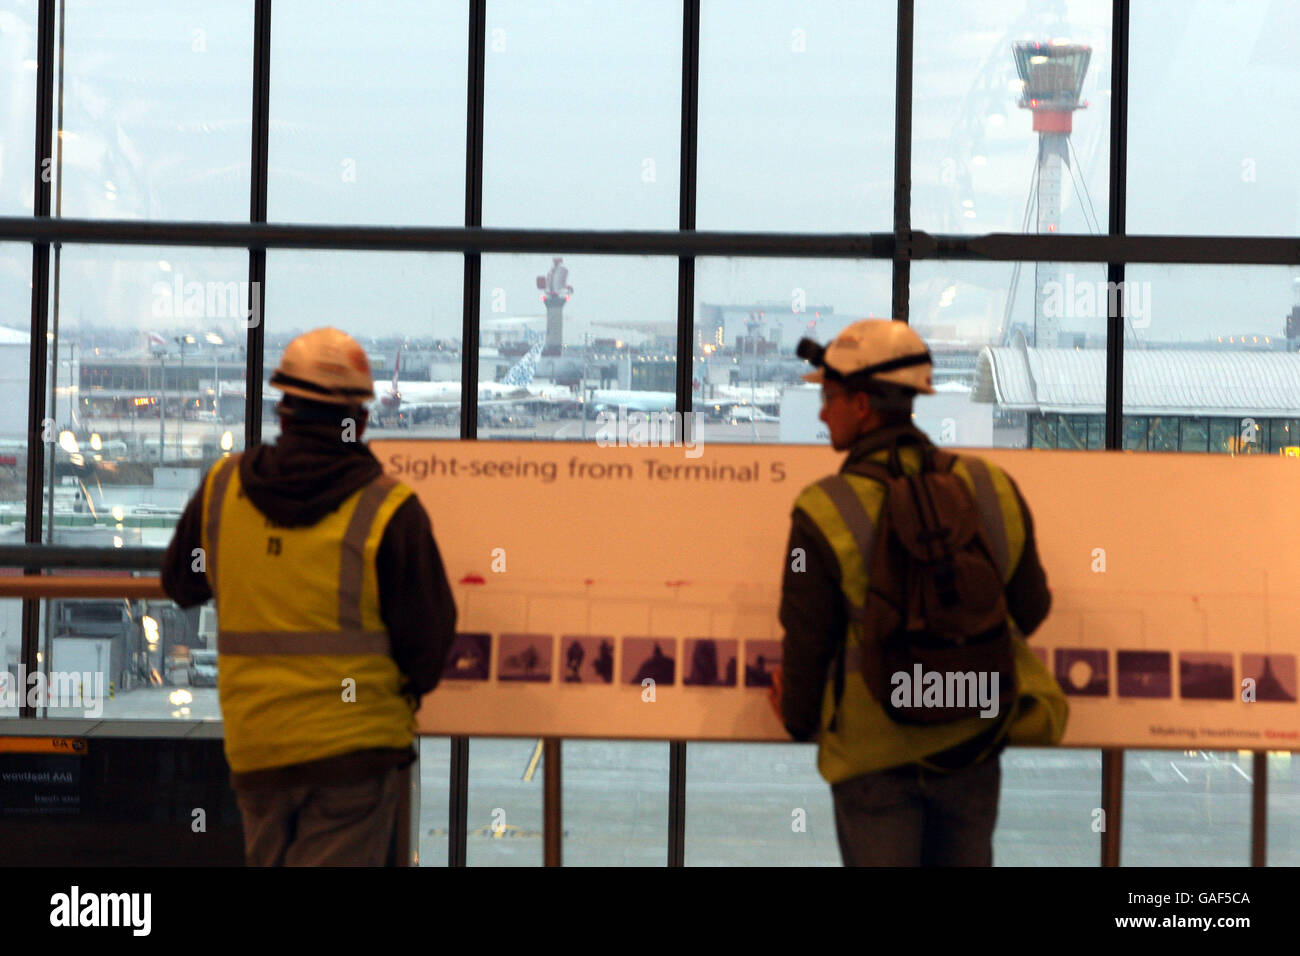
(582, 131)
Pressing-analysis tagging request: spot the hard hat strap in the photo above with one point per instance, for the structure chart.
(906, 361)
(857, 376)
(280, 378)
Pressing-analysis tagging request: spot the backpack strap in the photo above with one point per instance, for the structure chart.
(942, 460)
(992, 519)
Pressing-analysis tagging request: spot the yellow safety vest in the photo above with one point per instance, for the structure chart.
(845, 507)
(304, 670)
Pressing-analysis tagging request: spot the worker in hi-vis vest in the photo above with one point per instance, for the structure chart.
(334, 616)
(921, 790)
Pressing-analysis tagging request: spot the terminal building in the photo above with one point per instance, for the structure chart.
(1223, 402)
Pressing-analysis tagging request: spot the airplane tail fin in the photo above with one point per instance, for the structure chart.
(522, 372)
(397, 366)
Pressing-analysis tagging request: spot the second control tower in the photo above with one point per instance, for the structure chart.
(1052, 74)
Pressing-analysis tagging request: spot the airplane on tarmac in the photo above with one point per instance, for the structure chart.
(739, 414)
(634, 400)
(396, 401)
(730, 402)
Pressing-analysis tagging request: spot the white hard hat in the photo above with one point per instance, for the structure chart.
(884, 350)
(325, 365)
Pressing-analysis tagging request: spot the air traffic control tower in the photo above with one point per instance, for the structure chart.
(555, 292)
(1052, 74)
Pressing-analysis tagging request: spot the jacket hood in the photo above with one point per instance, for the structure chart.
(306, 474)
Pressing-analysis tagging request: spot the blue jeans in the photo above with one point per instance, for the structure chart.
(908, 816)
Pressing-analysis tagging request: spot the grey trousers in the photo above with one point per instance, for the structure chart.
(349, 825)
(907, 816)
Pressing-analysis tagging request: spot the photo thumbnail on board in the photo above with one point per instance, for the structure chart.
(761, 658)
(650, 658)
(470, 657)
(1205, 676)
(1274, 676)
(1083, 671)
(525, 657)
(710, 662)
(586, 660)
(1144, 673)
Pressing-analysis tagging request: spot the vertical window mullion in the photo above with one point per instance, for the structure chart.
(39, 321)
(473, 217)
(258, 176)
(688, 178)
(903, 162)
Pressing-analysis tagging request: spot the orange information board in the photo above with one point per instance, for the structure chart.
(632, 592)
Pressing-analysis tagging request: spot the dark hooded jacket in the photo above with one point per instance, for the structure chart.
(306, 475)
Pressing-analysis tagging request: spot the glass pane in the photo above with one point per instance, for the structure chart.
(796, 116)
(368, 112)
(566, 335)
(1163, 434)
(1193, 434)
(757, 805)
(121, 659)
(18, 117)
(982, 161)
(582, 116)
(1213, 90)
(1212, 359)
(15, 368)
(15, 365)
(147, 359)
(435, 775)
(1046, 814)
(615, 803)
(157, 105)
(1283, 809)
(749, 316)
(12, 676)
(395, 304)
(1136, 433)
(1186, 808)
(505, 802)
(1019, 352)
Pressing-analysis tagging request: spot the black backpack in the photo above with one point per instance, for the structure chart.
(935, 603)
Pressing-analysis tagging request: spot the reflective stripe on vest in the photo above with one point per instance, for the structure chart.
(215, 495)
(865, 739)
(304, 665)
(854, 515)
(351, 569)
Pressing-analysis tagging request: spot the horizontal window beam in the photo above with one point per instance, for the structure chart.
(445, 239)
(1200, 250)
(1224, 250)
(36, 557)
